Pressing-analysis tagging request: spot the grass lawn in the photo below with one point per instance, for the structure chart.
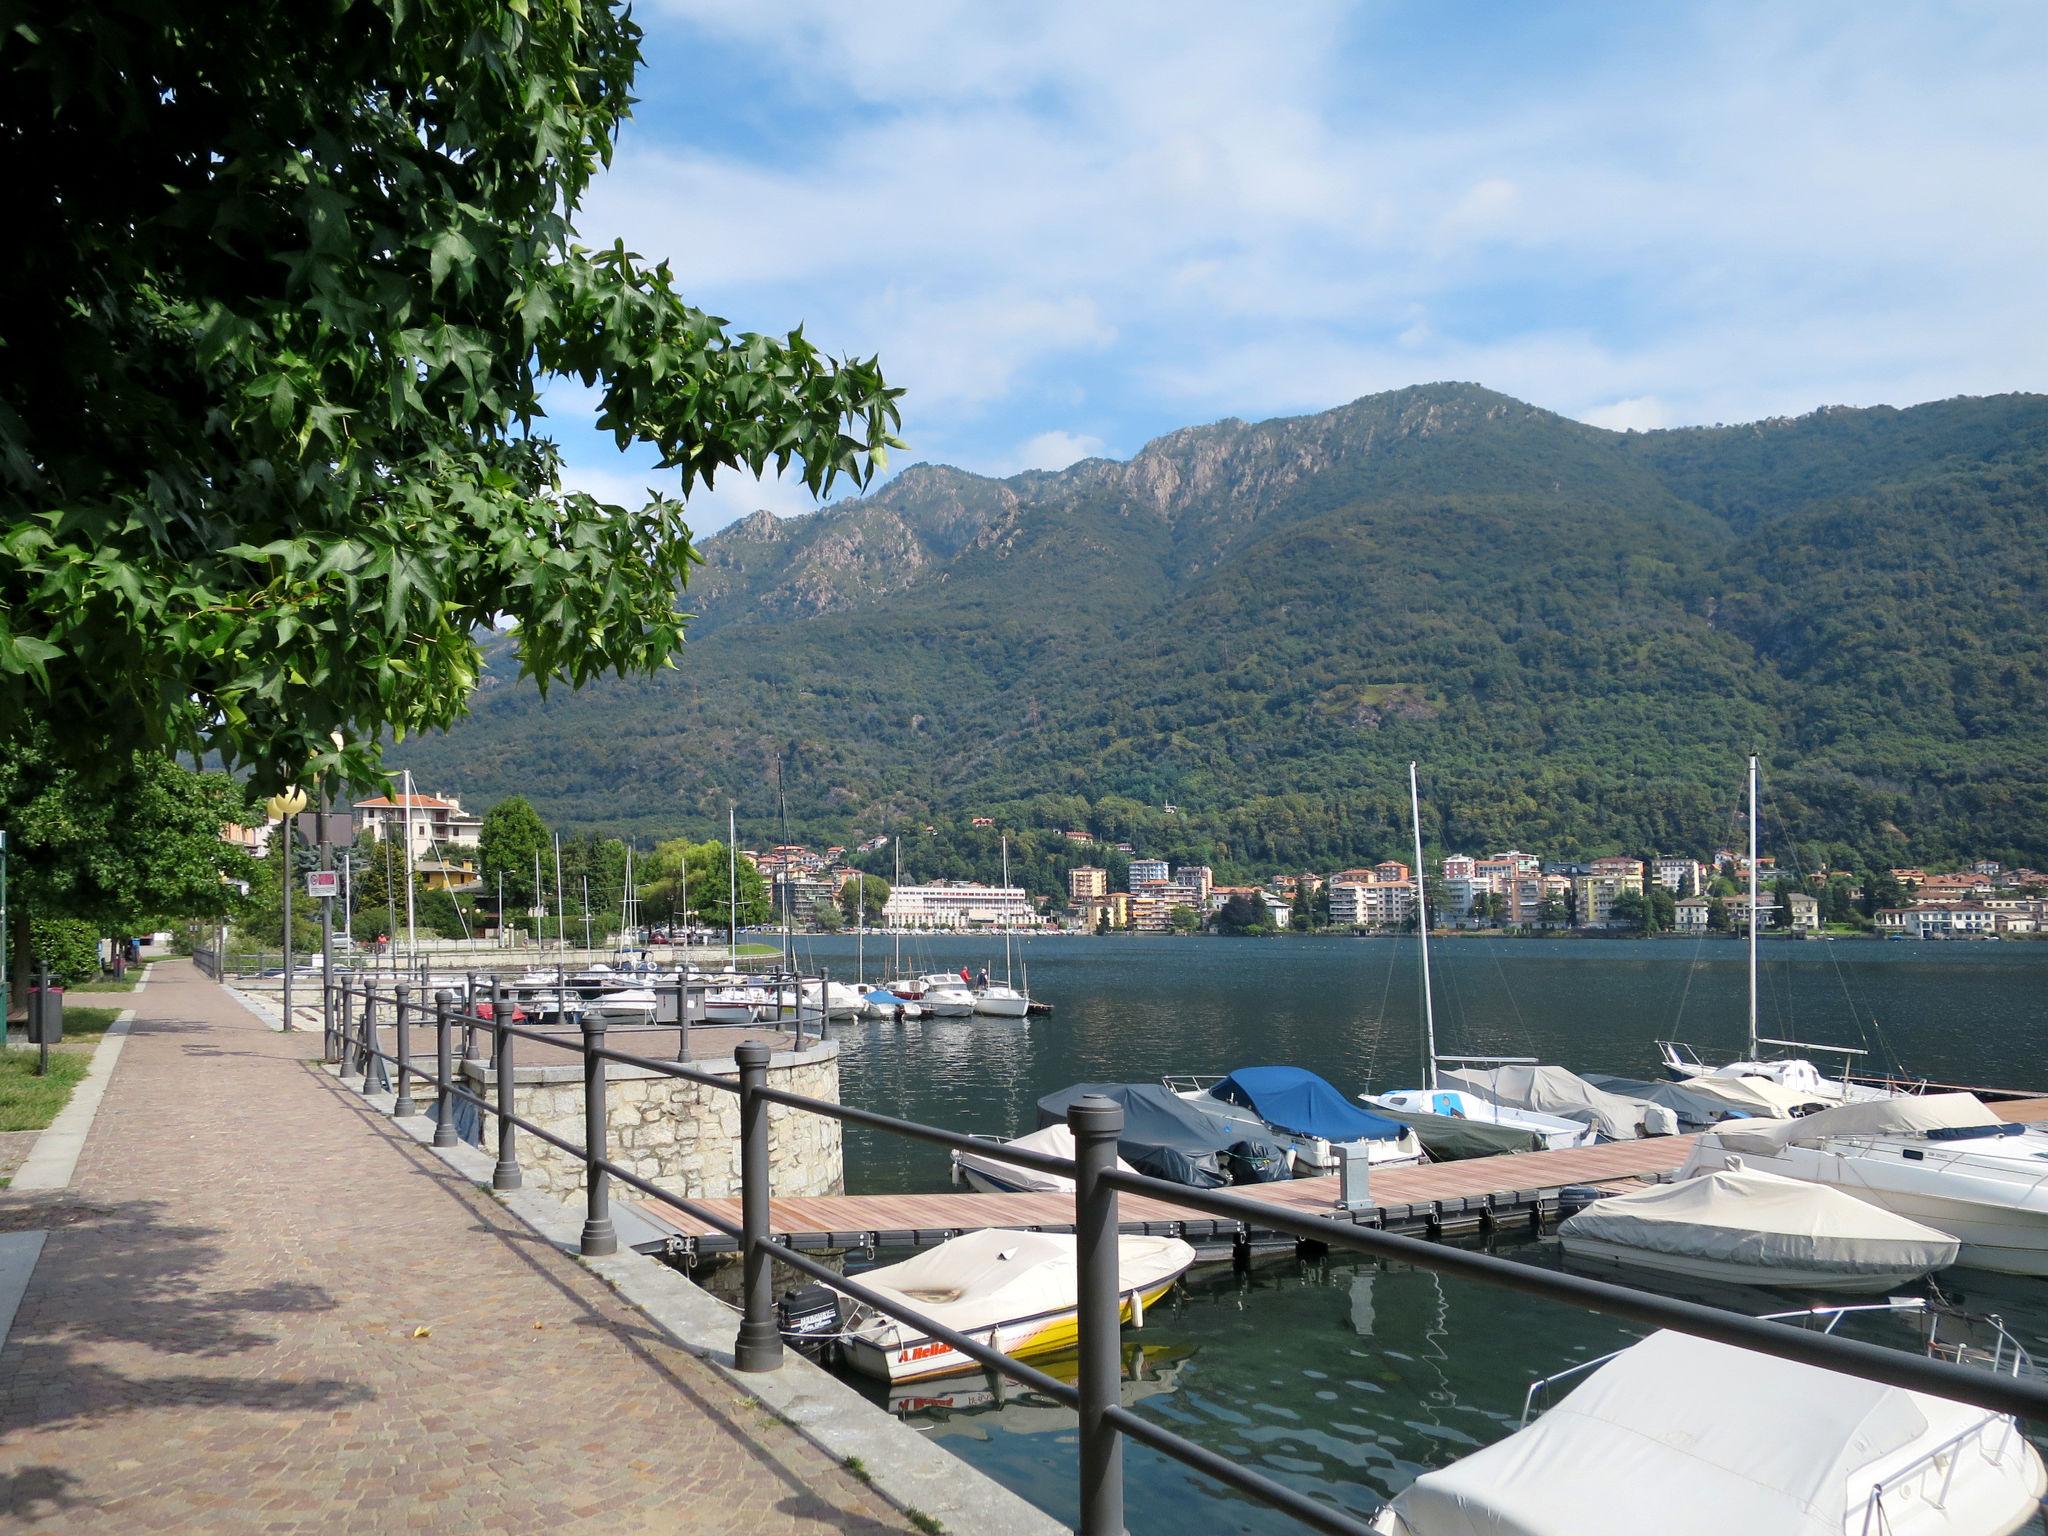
(88, 1024)
(108, 984)
(28, 1102)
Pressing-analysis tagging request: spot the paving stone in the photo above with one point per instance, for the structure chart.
(223, 1333)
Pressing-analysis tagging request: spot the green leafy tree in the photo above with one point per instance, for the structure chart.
(825, 916)
(1184, 919)
(513, 836)
(1551, 911)
(284, 292)
(1660, 909)
(1244, 914)
(1881, 889)
(1717, 916)
(862, 897)
(706, 864)
(1629, 909)
(133, 847)
(260, 920)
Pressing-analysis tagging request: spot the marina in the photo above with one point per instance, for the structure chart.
(1434, 1199)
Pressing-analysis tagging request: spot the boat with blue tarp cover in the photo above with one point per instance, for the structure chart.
(1303, 1113)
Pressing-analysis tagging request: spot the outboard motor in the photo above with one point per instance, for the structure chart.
(809, 1321)
(1658, 1120)
(1256, 1162)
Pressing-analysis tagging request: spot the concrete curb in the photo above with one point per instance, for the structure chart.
(270, 1018)
(19, 1252)
(909, 1470)
(55, 1157)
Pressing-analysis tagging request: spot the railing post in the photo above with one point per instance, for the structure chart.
(370, 1039)
(337, 1024)
(327, 1050)
(598, 1236)
(683, 1013)
(1097, 1123)
(401, 1103)
(760, 1341)
(469, 1019)
(506, 1174)
(444, 1099)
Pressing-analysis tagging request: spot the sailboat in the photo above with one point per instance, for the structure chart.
(1806, 1086)
(1453, 1103)
(1003, 1001)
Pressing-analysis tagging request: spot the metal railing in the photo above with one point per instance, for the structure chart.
(354, 1032)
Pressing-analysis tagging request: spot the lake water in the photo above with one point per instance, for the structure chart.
(1346, 1378)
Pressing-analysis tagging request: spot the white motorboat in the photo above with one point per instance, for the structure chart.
(738, 1005)
(1941, 1159)
(1738, 1226)
(993, 1176)
(946, 996)
(997, 1001)
(1684, 1437)
(1015, 1290)
(840, 1000)
(626, 1005)
(1307, 1117)
(1456, 1104)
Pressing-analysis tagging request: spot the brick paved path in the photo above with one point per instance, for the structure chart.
(221, 1334)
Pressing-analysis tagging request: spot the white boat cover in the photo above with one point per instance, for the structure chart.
(1555, 1091)
(1682, 1437)
(1743, 1216)
(980, 1279)
(1906, 1115)
(1752, 1095)
(1054, 1141)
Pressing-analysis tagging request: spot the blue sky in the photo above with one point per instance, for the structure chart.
(1067, 229)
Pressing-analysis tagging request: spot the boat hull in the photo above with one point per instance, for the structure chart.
(920, 1358)
(1002, 1007)
(2001, 1221)
(1597, 1254)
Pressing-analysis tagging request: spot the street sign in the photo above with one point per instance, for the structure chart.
(323, 882)
(341, 829)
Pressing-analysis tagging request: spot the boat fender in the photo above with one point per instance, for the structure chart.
(1137, 1309)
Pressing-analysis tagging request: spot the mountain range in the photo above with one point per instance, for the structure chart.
(1579, 634)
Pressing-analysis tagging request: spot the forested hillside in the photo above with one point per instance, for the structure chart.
(1579, 633)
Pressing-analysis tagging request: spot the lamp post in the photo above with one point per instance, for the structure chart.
(283, 808)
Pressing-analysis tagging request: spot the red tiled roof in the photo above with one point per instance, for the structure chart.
(419, 802)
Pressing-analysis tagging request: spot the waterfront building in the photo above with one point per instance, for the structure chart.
(1150, 914)
(953, 904)
(1690, 914)
(1458, 866)
(1597, 890)
(1804, 911)
(436, 821)
(1146, 872)
(1679, 876)
(1086, 880)
(1197, 878)
(1370, 904)
(1391, 871)
(1116, 905)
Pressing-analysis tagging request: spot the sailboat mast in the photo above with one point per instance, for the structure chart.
(732, 887)
(1752, 906)
(1422, 924)
(412, 937)
(536, 899)
(1006, 911)
(895, 933)
(561, 901)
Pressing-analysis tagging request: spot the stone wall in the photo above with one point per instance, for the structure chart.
(680, 1135)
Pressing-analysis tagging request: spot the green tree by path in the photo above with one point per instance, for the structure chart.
(1243, 915)
(1184, 919)
(662, 891)
(1660, 909)
(513, 837)
(862, 897)
(122, 853)
(285, 285)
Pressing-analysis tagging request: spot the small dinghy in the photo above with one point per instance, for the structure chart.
(1014, 1291)
(1742, 1227)
(993, 1176)
(1683, 1437)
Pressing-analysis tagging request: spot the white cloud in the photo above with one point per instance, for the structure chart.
(1054, 450)
(1143, 215)
(1643, 413)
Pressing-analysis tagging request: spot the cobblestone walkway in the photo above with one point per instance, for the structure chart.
(260, 1310)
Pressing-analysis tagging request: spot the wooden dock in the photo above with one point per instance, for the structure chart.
(1435, 1199)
